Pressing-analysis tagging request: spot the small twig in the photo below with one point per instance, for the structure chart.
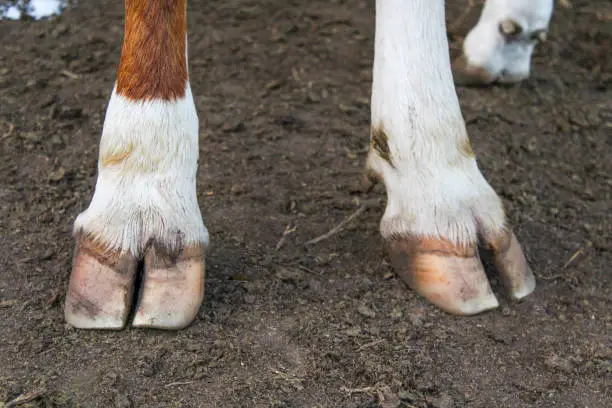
(69, 74)
(338, 227)
(563, 275)
(373, 343)
(551, 277)
(367, 390)
(172, 384)
(305, 269)
(363, 390)
(573, 257)
(25, 398)
(281, 241)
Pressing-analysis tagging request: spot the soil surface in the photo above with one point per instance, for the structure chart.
(282, 92)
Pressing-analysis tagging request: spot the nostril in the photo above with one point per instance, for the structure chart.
(465, 73)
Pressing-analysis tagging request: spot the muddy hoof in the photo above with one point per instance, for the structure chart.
(101, 287)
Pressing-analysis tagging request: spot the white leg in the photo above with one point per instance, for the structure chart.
(145, 205)
(500, 46)
(145, 200)
(438, 201)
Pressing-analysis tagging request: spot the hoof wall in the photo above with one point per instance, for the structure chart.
(448, 276)
(172, 289)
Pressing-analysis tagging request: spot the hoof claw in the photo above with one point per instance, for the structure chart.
(172, 290)
(100, 289)
(452, 277)
(448, 276)
(516, 276)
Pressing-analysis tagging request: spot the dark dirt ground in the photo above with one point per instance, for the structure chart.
(282, 92)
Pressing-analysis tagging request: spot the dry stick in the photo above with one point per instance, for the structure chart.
(338, 227)
(173, 384)
(281, 241)
(363, 390)
(69, 74)
(25, 398)
(367, 390)
(573, 257)
(370, 344)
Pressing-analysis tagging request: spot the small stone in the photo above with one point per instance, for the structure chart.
(275, 84)
(397, 313)
(288, 274)
(366, 311)
(70, 113)
(122, 400)
(353, 331)
(417, 316)
(558, 362)
(531, 145)
(407, 396)
(45, 256)
(238, 189)
(313, 97)
(237, 126)
(30, 136)
(58, 174)
(389, 398)
(59, 30)
(443, 401)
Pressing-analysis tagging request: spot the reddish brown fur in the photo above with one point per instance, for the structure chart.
(153, 61)
(116, 157)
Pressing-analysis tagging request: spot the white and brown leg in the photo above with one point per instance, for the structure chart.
(439, 204)
(144, 205)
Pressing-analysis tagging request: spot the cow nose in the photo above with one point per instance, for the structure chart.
(465, 73)
(507, 77)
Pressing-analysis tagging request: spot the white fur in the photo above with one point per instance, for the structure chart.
(433, 190)
(151, 195)
(486, 47)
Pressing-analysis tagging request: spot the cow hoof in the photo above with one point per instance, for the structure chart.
(172, 289)
(515, 274)
(449, 276)
(101, 287)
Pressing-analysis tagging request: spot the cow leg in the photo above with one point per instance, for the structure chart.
(145, 204)
(439, 204)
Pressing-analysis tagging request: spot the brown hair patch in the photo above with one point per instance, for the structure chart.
(379, 142)
(116, 157)
(465, 148)
(153, 61)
